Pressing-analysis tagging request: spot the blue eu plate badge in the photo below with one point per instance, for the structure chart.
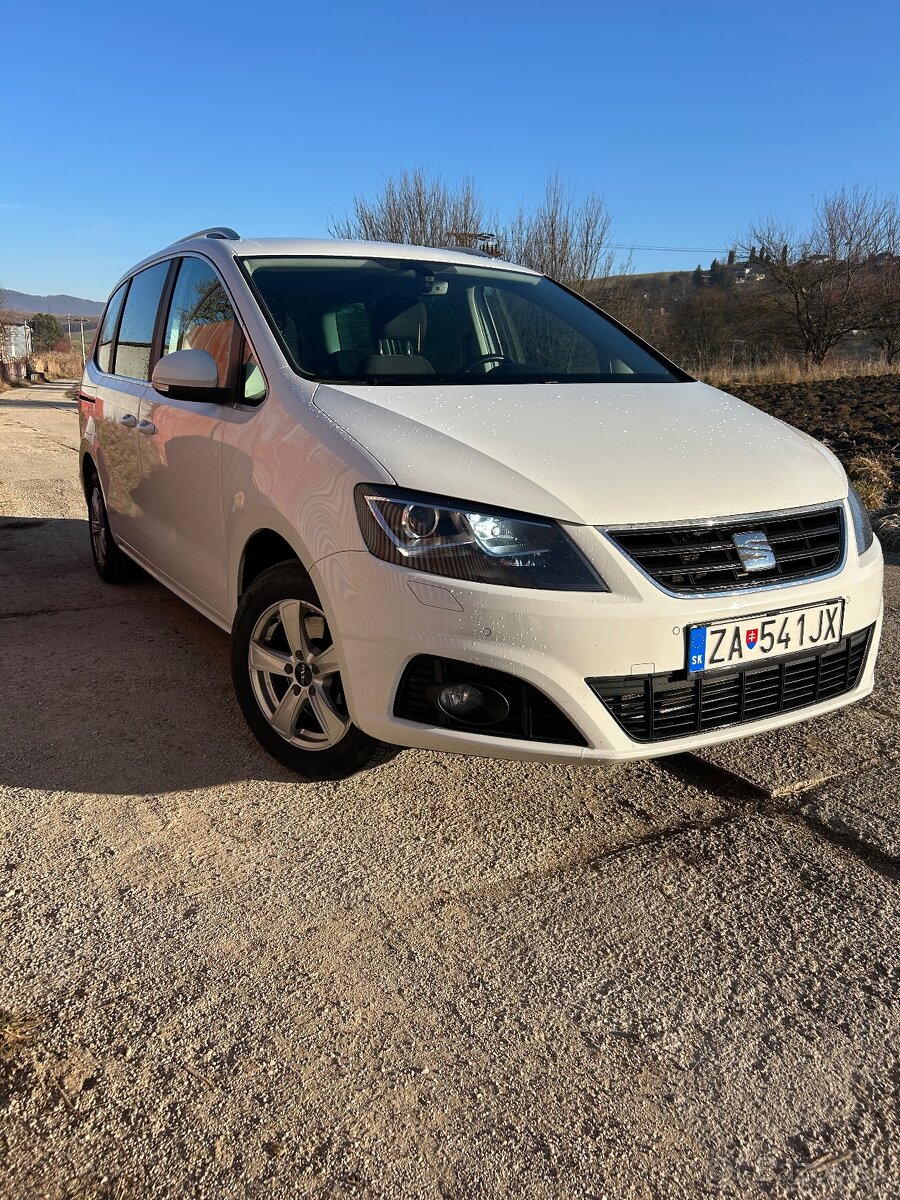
(697, 649)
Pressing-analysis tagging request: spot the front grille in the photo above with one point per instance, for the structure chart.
(703, 558)
(654, 708)
(531, 715)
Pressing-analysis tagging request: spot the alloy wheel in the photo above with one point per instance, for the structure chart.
(294, 675)
(97, 520)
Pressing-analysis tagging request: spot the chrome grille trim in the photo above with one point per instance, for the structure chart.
(748, 584)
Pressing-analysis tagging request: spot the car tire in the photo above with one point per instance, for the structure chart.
(113, 566)
(284, 669)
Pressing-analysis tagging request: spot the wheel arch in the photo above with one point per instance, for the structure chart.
(87, 467)
(264, 548)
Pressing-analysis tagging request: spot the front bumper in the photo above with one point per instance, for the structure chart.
(383, 616)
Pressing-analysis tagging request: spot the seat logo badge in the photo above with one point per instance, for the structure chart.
(754, 550)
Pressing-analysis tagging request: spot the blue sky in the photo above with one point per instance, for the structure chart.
(129, 126)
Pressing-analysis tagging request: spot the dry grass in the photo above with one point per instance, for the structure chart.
(16, 1032)
(791, 370)
(56, 365)
(873, 477)
(888, 531)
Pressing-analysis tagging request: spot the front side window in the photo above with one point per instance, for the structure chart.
(201, 316)
(108, 328)
(387, 320)
(132, 357)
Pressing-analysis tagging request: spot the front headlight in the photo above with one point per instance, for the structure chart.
(862, 525)
(466, 541)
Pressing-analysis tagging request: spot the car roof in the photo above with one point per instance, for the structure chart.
(217, 245)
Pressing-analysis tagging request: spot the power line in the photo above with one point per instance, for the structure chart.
(673, 249)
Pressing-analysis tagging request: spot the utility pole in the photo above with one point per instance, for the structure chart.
(81, 322)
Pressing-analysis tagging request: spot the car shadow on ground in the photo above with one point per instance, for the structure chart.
(110, 689)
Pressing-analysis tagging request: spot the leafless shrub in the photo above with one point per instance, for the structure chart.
(563, 237)
(415, 209)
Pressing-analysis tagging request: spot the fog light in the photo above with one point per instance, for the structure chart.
(460, 699)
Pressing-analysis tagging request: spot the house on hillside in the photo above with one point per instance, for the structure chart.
(747, 273)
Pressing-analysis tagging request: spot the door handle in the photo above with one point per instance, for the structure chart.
(129, 421)
(146, 427)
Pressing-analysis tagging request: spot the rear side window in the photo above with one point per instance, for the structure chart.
(135, 341)
(201, 316)
(108, 328)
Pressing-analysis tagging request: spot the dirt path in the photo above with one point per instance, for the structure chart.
(446, 978)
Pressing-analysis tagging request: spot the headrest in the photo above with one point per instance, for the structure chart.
(395, 317)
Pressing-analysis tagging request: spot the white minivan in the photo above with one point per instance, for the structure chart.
(441, 501)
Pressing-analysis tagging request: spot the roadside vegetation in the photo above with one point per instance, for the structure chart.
(58, 364)
(782, 304)
(40, 343)
(873, 475)
(792, 370)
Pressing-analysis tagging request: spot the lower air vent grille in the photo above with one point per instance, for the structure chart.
(655, 708)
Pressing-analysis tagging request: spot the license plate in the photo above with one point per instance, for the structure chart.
(769, 635)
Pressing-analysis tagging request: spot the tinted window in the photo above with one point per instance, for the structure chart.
(201, 316)
(108, 328)
(532, 333)
(138, 321)
(353, 331)
(388, 320)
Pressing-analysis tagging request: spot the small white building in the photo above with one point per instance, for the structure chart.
(15, 341)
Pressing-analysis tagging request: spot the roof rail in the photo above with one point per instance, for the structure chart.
(469, 250)
(218, 231)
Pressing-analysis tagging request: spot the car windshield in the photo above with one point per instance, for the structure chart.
(408, 321)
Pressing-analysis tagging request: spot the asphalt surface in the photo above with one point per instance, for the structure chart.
(447, 977)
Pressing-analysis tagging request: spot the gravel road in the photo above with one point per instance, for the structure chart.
(446, 978)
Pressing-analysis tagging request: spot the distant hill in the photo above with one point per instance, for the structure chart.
(57, 306)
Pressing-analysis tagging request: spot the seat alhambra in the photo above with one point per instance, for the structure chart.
(441, 501)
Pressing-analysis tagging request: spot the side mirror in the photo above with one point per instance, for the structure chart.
(189, 375)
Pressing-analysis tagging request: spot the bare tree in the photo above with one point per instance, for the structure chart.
(629, 299)
(702, 330)
(562, 237)
(884, 322)
(417, 209)
(820, 278)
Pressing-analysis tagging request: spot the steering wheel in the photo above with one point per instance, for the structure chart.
(483, 358)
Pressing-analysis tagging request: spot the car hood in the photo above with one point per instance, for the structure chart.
(593, 454)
